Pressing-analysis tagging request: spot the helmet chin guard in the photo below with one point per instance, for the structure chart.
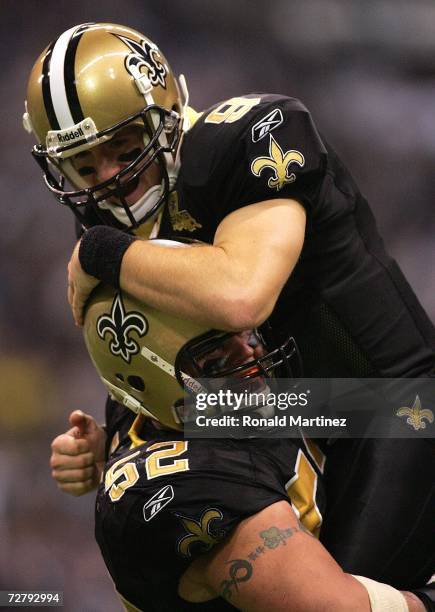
(139, 210)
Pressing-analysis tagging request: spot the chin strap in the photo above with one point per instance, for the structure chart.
(121, 396)
(173, 164)
(184, 91)
(138, 209)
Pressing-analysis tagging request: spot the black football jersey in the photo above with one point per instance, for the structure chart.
(165, 500)
(347, 303)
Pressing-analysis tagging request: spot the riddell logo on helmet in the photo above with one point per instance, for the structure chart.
(72, 135)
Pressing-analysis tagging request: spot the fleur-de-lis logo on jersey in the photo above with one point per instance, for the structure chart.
(279, 162)
(199, 531)
(416, 415)
(144, 54)
(120, 325)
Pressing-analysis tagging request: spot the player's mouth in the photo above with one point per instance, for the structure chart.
(130, 187)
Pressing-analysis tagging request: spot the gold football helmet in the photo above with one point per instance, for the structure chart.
(146, 357)
(94, 80)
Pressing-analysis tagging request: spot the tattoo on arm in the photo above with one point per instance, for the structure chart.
(241, 570)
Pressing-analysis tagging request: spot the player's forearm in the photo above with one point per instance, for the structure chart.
(231, 285)
(205, 283)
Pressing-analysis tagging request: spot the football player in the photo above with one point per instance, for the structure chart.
(290, 237)
(199, 524)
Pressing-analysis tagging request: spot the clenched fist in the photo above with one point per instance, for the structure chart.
(77, 456)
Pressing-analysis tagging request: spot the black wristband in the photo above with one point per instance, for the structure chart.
(101, 251)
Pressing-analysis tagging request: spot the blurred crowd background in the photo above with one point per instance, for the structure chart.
(366, 70)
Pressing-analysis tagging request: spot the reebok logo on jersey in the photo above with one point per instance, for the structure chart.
(158, 502)
(271, 121)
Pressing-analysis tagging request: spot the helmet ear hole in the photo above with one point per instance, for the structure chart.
(136, 382)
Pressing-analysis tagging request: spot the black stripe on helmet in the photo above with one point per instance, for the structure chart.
(46, 90)
(69, 74)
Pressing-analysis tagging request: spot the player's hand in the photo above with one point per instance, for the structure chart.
(80, 286)
(77, 456)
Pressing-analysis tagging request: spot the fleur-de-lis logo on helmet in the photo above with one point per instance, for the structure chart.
(120, 325)
(416, 415)
(279, 163)
(145, 54)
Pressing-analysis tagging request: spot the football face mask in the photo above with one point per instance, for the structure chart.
(236, 363)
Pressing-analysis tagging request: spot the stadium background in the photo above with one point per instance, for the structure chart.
(366, 69)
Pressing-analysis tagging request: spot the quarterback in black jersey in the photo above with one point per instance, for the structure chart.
(290, 239)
